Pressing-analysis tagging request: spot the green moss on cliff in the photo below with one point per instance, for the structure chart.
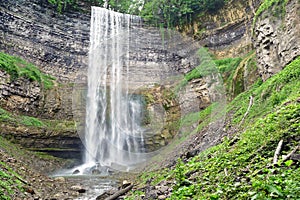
(16, 67)
(7, 117)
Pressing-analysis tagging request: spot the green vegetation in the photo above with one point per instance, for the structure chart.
(21, 120)
(281, 87)
(63, 5)
(7, 117)
(167, 13)
(207, 67)
(267, 4)
(16, 67)
(228, 67)
(243, 169)
(10, 182)
(31, 121)
(172, 13)
(241, 166)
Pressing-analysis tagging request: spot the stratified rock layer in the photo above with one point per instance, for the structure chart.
(58, 43)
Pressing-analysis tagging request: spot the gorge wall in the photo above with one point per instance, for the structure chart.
(58, 44)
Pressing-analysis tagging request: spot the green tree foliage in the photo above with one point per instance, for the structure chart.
(177, 12)
(156, 12)
(62, 5)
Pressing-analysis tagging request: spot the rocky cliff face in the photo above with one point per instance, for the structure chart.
(20, 94)
(228, 32)
(58, 44)
(277, 37)
(27, 97)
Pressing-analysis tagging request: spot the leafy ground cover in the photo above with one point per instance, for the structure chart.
(10, 182)
(241, 167)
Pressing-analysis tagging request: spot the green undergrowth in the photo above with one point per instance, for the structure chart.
(7, 117)
(231, 69)
(16, 67)
(10, 182)
(241, 167)
(281, 87)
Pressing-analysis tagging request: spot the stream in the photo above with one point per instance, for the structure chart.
(94, 185)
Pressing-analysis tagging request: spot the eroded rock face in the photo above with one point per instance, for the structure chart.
(20, 94)
(58, 43)
(277, 40)
(227, 32)
(27, 97)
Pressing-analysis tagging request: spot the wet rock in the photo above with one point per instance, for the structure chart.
(96, 171)
(161, 197)
(29, 190)
(162, 189)
(60, 179)
(76, 171)
(11, 160)
(78, 188)
(125, 184)
(152, 194)
(103, 196)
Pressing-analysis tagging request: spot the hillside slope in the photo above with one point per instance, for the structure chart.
(242, 166)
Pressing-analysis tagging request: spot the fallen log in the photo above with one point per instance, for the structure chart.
(120, 192)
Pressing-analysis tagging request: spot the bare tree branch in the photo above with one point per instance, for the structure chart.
(248, 109)
(285, 158)
(277, 152)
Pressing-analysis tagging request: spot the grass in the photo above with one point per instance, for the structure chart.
(210, 67)
(241, 166)
(16, 67)
(243, 169)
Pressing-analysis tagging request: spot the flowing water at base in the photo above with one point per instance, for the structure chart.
(95, 185)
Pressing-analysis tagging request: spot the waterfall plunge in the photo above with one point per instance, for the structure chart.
(113, 135)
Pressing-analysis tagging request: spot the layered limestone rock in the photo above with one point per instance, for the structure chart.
(227, 32)
(20, 94)
(277, 37)
(57, 43)
(27, 97)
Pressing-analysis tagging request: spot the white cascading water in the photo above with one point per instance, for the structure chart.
(113, 135)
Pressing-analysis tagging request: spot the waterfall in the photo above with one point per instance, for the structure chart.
(113, 133)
